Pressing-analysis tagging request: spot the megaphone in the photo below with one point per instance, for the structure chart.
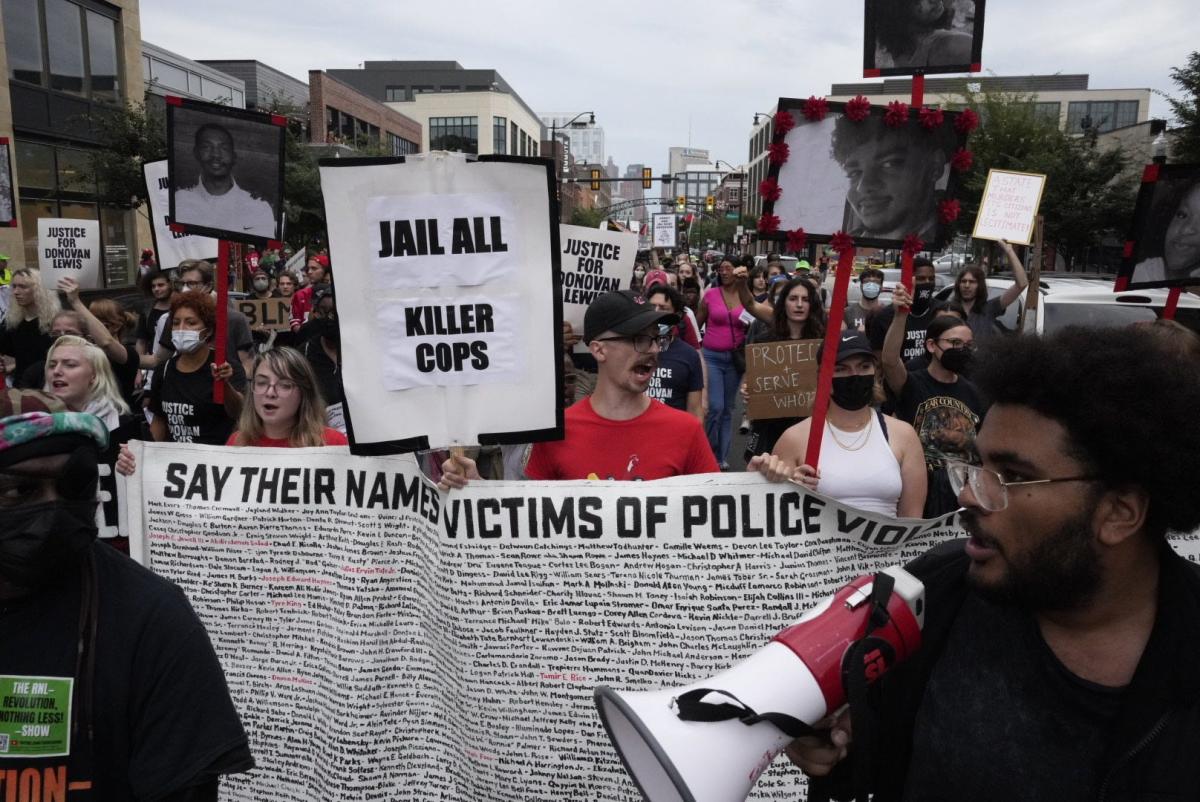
(708, 742)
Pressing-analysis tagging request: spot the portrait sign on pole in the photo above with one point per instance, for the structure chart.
(225, 171)
(451, 268)
(1163, 248)
(69, 248)
(922, 38)
(593, 262)
(1009, 206)
(664, 230)
(170, 247)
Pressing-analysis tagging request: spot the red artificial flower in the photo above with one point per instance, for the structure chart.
(858, 109)
(931, 117)
(784, 122)
(962, 160)
(769, 190)
(966, 122)
(815, 108)
(948, 211)
(768, 223)
(912, 245)
(841, 242)
(896, 114)
(778, 152)
(796, 240)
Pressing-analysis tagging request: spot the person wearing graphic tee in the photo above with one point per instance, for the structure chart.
(679, 379)
(938, 401)
(181, 395)
(618, 432)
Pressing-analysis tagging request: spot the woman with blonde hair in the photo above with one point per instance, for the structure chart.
(287, 409)
(25, 338)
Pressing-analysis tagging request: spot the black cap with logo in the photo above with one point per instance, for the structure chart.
(623, 312)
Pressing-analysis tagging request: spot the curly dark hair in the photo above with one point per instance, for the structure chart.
(1126, 407)
(199, 302)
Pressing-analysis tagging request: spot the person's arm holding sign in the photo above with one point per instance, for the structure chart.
(457, 472)
(1020, 279)
(98, 333)
(894, 372)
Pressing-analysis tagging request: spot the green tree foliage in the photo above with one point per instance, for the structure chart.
(717, 230)
(1090, 189)
(589, 218)
(131, 136)
(1185, 135)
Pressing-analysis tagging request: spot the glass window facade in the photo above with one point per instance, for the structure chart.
(75, 51)
(512, 142)
(169, 76)
(1100, 115)
(394, 94)
(64, 34)
(454, 133)
(401, 146)
(23, 35)
(1050, 112)
(499, 135)
(102, 57)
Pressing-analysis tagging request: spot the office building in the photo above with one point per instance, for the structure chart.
(585, 138)
(167, 73)
(266, 87)
(353, 120)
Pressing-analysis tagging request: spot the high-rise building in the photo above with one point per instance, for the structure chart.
(585, 138)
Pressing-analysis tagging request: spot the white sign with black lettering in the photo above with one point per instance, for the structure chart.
(69, 248)
(172, 247)
(664, 231)
(1009, 206)
(593, 262)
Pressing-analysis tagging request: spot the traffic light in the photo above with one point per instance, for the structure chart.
(647, 177)
(710, 203)
(680, 203)
(595, 180)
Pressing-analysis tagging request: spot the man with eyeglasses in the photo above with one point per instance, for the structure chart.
(618, 432)
(1060, 644)
(216, 201)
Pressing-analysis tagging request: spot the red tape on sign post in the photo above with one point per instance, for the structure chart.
(833, 334)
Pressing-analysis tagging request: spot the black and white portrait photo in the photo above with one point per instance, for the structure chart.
(876, 182)
(8, 214)
(226, 171)
(905, 37)
(1166, 233)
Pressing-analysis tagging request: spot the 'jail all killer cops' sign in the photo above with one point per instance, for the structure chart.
(454, 265)
(69, 248)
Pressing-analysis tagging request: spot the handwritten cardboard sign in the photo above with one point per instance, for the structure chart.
(272, 314)
(781, 378)
(1009, 206)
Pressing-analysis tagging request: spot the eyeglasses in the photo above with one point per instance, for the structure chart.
(641, 342)
(957, 343)
(282, 387)
(989, 487)
(191, 285)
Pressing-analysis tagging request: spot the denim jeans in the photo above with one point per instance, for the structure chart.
(723, 381)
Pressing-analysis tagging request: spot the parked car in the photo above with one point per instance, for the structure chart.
(891, 277)
(951, 262)
(789, 262)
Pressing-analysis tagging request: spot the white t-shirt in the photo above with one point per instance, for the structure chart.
(236, 210)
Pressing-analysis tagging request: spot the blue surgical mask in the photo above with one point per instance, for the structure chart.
(871, 289)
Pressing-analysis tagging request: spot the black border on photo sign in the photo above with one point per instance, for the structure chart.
(1149, 211)
(269, 121)
(556, 432)
(795, 107)
(870, 70)
(12, 190)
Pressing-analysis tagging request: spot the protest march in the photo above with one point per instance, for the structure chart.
(350, 452)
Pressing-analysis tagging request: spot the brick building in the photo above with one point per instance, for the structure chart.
(341, 115)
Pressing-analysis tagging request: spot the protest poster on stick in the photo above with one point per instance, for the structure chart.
(170, 247)
(448, 645)
(1009, 206)
(664, 230)
(922, 38)
(69, 248)
(781, 378)
(453, 267)
(593, 262)
(272, 314)
(1161, 250)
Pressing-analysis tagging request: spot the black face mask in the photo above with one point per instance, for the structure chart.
(922, 298)
(957, 360)
(40, 541)
(853, 392)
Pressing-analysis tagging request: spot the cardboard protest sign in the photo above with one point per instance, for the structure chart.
(69, 248)
(170, 247)
(1009, 206)
(781, 378)
(906, 38)
(1163, 249)
(272, 314)
(225, 171)
(838, 176)
(593, 262)
(452, 268)
(664, 230)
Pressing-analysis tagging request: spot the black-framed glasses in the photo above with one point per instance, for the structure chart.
(957, 343)
(989, 487)
(641, 342)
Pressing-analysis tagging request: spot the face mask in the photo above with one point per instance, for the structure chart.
(186, 342)
(639, 273)
(261, 284)
(957, 360)
(871, 289)
(853, 392)
(922, 298)
(39, 541)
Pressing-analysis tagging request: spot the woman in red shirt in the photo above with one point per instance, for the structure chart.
(288, 410)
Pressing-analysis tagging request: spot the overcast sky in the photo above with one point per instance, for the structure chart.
(660, 73)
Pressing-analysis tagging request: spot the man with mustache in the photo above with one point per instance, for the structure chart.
(1059, 652)
(618, 432)
(216, 201)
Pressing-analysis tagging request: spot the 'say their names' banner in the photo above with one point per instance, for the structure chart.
(385, 641)
(69, 248)
(453, 266)
(593, 262)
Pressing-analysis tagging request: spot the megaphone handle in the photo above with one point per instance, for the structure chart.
(690, 707)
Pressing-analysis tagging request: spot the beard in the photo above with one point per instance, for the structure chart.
(1060, 573)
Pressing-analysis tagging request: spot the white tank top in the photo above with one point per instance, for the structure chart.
(866, 479)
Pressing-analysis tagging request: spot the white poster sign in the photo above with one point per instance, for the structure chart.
(1009, 206)
(384, 640)
(451, 273)
(593, 262)
(172, 247)
(664, 231)
(69, 248)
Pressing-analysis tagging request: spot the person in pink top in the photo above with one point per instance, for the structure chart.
(725, 321)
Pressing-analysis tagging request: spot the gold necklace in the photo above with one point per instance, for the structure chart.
(859, 442)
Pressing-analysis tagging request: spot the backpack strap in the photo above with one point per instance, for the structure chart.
(882, 424)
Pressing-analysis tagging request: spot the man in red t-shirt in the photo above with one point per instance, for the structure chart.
(618, 432)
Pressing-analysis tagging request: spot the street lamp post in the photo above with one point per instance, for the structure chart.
(554, 127)
(741, 184)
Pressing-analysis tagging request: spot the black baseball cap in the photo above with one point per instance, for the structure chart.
(624, 312)
(850, 343)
